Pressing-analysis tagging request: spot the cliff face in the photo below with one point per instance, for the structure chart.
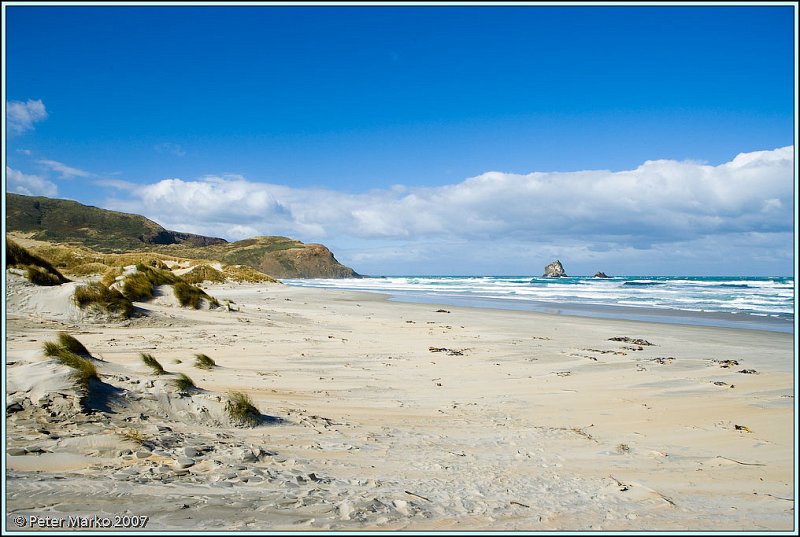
(64, 221)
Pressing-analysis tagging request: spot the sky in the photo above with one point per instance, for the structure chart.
(484, 140)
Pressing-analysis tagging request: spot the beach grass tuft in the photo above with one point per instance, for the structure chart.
(202, 361)
(241, 410)
(83, 370)
(72, 344)
(183, 383)
(189, 295)
(151, 362)
(99, 295)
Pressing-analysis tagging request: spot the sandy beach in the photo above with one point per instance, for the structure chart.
(381, 415)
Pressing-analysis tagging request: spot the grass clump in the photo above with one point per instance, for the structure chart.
(183, 383)
(189, 295)
(243, 273)
(141, 284)
(203, 362)
(83, 369)
(150, 361)
(110, 300)
(72, 344)
(241, 410)
(37, 270)
(202, 273)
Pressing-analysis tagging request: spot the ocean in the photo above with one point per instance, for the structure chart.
(759, 303)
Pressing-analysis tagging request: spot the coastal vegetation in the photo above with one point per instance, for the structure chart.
(95, 294)
(89, 237)
(241, 410)
(183, 383)
(83, 368)
(37, 270)
(151, 362)
(202, 361)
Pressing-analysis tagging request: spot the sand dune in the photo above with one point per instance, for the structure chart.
(381, 415)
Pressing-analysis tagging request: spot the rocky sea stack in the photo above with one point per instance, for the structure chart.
(554, 270)
(601, 275)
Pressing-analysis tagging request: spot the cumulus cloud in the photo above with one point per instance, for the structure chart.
(66, 172)
(30, 185)
(660, 200)
(20, 116)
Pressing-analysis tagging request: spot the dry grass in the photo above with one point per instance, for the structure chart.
(72, 344)
(241, 410)
(203, 273)
(183, 383)
(189, 295)
(203, 362)
(83, 370)
(150, 361)
(243, 273)
(37, 270)
(110, 300)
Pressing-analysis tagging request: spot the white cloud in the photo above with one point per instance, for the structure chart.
(595, 211)
(20, 116)
(66, 172)
(30, 185)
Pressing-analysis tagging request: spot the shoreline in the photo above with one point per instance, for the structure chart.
(396, 416)
(714, 319)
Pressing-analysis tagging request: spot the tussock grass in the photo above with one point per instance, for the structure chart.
(72, 344)
(202, 273)
(83, 370)
(37, 270)
(183, 383)
(241, 410)
(51, 348)
(150, 361)
(243, 273)
(110, 300)
(203, 362)
(189, 295)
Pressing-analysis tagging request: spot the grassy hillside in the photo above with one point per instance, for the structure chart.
(59, 220)
(102, 231)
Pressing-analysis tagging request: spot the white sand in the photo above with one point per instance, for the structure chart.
(540, 423)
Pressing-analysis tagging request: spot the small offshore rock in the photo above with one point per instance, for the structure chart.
(600, 275)
(554, 270)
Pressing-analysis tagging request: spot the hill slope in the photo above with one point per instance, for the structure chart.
(66, 221)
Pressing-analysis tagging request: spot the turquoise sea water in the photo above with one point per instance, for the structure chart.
(744, 302)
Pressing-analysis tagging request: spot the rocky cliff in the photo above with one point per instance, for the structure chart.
(554, 270)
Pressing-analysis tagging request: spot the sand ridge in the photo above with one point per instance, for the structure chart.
(395, 416)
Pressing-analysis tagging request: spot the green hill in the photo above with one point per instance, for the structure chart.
(65, 221)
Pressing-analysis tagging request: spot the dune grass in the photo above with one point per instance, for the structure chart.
(203, 362)
(189, 295)
(202, 273)
(37, 270)
(183, 383)
(241, 410)
(150, 361)
(72, 344)
(110, 300)
(83, 369)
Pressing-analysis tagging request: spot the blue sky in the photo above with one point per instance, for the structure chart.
(426, 140)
